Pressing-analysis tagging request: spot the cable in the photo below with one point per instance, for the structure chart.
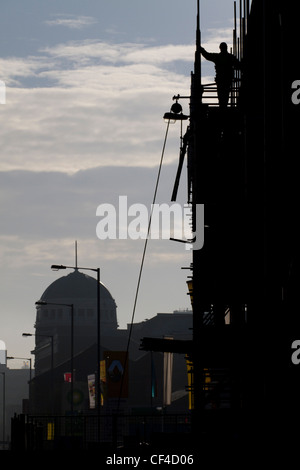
(143, 259)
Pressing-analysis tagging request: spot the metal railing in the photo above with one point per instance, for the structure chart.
(210, 93)
(82, 432)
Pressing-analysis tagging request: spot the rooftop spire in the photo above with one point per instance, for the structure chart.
(198, 45)
(76, 264)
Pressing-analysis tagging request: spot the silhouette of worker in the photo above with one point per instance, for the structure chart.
(225, 63)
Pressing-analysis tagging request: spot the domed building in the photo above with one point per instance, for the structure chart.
(75, 297)
(75, 293)
(66, 337)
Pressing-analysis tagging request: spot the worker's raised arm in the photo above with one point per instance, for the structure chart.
(208, 55)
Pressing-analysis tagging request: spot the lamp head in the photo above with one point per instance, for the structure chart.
(56, 267)
(175, 113)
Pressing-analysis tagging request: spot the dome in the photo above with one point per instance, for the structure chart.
(54, 318)
(75, 285)
(80, 290)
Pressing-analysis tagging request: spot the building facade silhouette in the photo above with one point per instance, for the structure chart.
(51, 387)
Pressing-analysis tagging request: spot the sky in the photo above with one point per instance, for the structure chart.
(87, 84)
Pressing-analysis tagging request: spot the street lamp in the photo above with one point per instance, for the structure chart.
(30, 374)
(45, 336)
(57, 267)
(175, 114)
(52, 361)
(41, 303)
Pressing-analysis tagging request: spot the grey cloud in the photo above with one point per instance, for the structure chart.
(71, 21)
(36, 205)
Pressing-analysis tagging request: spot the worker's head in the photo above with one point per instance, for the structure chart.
(223, 47)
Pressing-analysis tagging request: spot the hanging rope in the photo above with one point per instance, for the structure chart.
(143, 258)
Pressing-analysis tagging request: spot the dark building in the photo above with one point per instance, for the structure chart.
(244, 170)
(14, 398)
(55, 355)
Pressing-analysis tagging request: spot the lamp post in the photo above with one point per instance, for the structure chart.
(45, 336)
(3, 409)
(52, 360)
(57, 267)
(41, 303)
(30, 372)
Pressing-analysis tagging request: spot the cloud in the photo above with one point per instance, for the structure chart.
(214, 36)
(81, 104)
(136, 53)
(38, 205)
(42, 214)
(71, 21)
(55, 129)
(93, 104)
(16, 70)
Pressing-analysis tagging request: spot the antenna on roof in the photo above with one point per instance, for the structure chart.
(198, 21)
(76, 265)
(198, 44)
